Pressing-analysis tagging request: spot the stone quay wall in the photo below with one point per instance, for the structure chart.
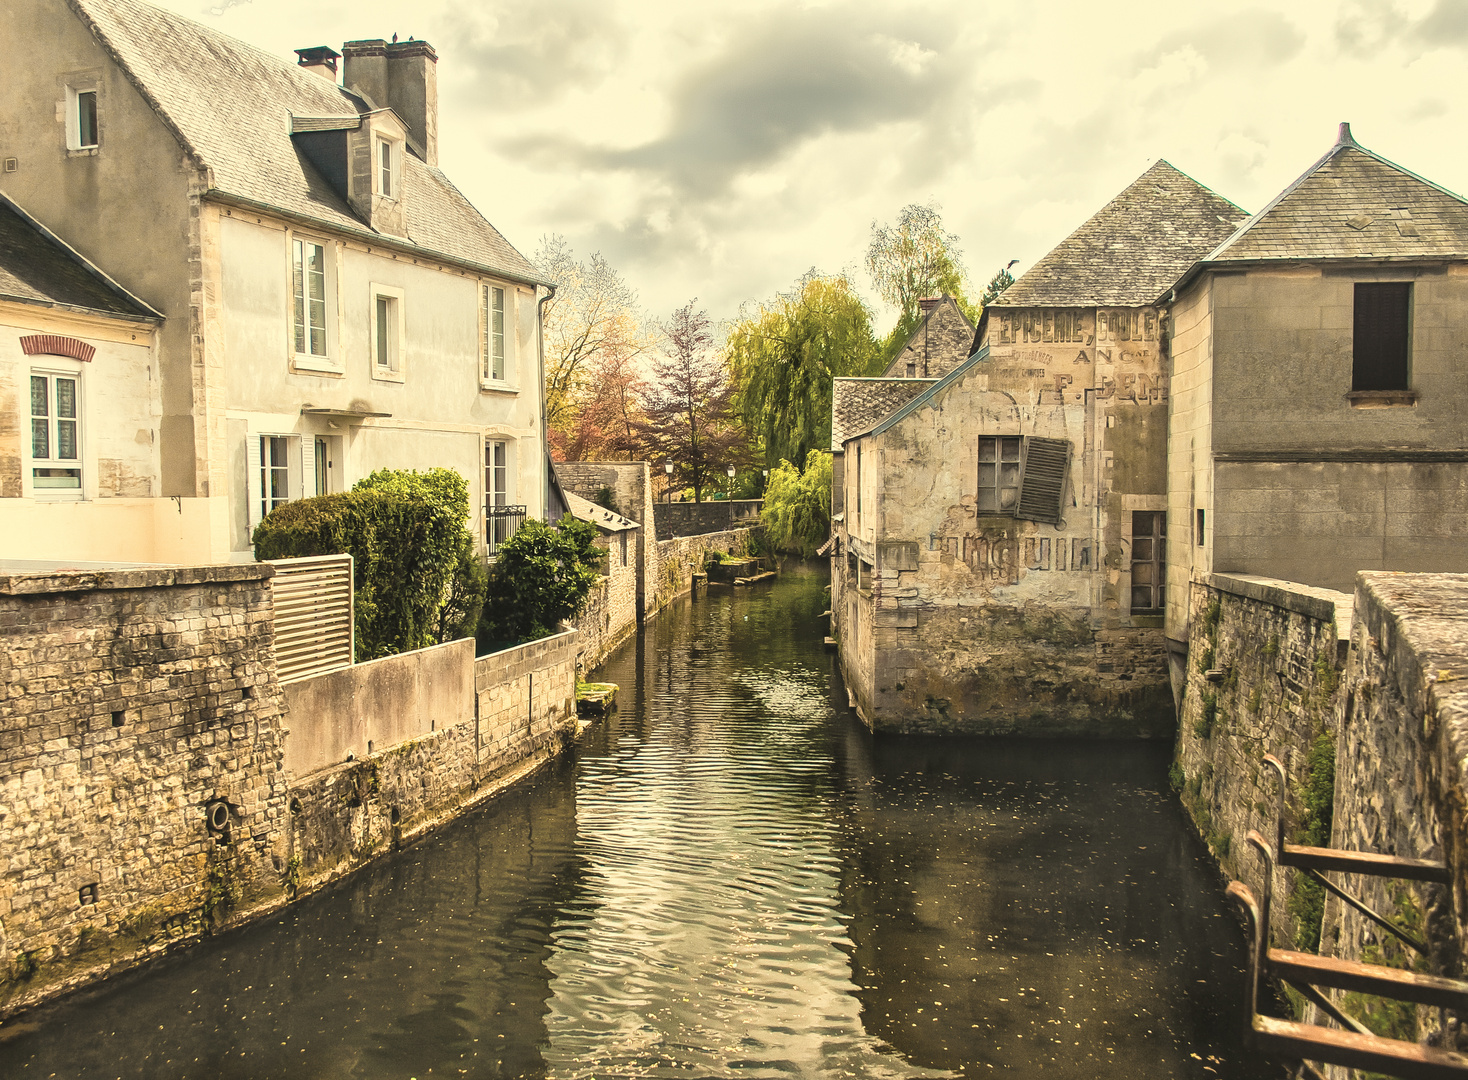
(675, 519)
(142, 790)
(610, 615)
(1402, 779)
(1279, 648)
(522, 711)
(157, 783)
(674, 563)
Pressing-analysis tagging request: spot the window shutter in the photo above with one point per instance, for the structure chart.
(1042, 479)
(303, 466)
(253, 494)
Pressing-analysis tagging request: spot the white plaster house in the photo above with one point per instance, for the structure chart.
(331, 304)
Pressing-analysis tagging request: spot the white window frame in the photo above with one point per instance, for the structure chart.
(392, 371)
(74, 96)
(488, 378)
(300, 462)
(387, 181)
(329, 362)
(50, 373)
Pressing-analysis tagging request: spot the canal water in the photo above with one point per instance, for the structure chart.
(729, 878)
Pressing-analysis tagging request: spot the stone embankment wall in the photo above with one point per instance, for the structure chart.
(157, 783)
(610, 615)
(522, 711)
(142, 795)
(1279, 648)
(695, 519)
(675, 562)
(1402, 779)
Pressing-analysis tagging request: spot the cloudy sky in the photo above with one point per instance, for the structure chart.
(719, 150)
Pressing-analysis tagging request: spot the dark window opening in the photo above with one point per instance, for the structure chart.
(119, 718)
(1379, 343)
(86, 119)
(1198, 531)
(1149, 561)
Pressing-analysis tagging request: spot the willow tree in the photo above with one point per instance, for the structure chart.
(913, 259)
(783, 355)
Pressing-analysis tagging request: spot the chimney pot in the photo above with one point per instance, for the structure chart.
(401, 76)
(320, 59)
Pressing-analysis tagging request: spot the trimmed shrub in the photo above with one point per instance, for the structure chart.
(540, 576)
(417, 580)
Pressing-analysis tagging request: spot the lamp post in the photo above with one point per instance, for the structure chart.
(766, 483)
(668, 468)
(730, 471)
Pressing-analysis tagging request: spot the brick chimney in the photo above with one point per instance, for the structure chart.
(401, 76)
(320, 59)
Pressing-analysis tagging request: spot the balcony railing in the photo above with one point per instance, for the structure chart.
(501, 523)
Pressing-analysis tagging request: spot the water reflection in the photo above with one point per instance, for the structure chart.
(727, 878)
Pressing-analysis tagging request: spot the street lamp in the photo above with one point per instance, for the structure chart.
(730, 471)
(668, 468)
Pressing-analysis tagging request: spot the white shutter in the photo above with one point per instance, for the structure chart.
(304, 484)
(253, 494)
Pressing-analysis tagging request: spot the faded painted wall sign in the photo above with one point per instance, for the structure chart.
(1126, 324)
(1044, 325)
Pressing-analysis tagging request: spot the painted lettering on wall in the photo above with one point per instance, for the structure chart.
(1044, 325)
(1126, 324)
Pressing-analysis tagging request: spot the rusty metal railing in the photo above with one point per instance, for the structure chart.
(1352, 1044)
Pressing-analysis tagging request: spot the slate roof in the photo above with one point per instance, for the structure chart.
(230, 105)
(38, 268)
(1133, 248)
(940, 342)
(857, 404)
(600, 516)
(1353, 204)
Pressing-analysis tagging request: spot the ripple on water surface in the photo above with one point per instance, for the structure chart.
(728, 878)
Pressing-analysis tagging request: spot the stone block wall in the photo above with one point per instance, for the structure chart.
(136, 705)
(1279, 647)
(524, 711)
(611, 611)
(695, 519)
(1402, 776)
(674, 563)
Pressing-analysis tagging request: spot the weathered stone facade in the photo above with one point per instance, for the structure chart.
(1401, 787)
(142, 791)
(998, 560)
(678, 560)
(943, 340)
(1278, 648)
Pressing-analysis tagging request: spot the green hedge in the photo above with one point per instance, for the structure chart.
(540, 576)
(417, 578)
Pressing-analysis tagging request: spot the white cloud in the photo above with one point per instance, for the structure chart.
(720, 150)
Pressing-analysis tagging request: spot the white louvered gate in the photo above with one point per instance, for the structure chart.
(314, 631)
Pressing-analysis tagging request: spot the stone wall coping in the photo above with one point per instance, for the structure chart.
(73, 581)
(552, 639)
(401, 657)
(1325, 605)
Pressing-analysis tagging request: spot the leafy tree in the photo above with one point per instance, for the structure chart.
(687, 406)
(913, 259)
(783, 355)
(541, 575)
(605, 423)
(797, 509)
(590, 323)
(417, 578)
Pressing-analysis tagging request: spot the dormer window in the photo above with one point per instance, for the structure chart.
(387, 168)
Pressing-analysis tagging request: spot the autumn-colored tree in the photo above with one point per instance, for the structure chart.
(687, 405)
(605, 424)
(591, 327)
(784, 353)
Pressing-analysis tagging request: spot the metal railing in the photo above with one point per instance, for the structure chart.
(501, 523)
(1352, 1045)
